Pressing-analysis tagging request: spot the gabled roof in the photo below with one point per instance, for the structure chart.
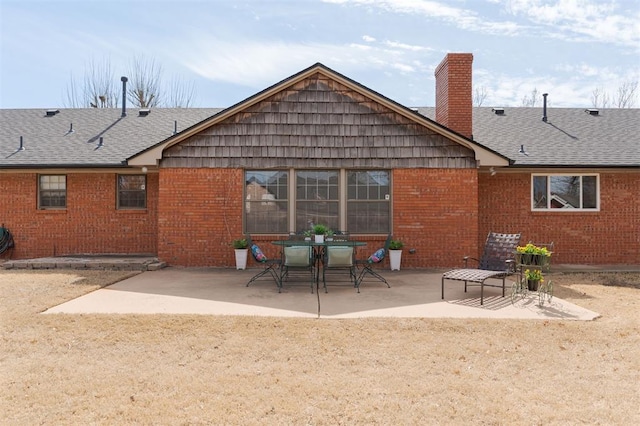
(48, 142)
(571, 137)
(484, 155)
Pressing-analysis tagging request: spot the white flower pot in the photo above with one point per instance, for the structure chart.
(241, 258)
(395, 257)
(319, 239)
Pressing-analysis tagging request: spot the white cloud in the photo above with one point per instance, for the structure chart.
(368, 38)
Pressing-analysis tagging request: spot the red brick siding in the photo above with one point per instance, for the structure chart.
(200, 214)
(90, 223)
(610, 236)
(454, 102)
(435, 211)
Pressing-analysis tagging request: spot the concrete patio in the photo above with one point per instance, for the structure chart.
(208, 291)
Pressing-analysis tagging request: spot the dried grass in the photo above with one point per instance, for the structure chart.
(184, 369)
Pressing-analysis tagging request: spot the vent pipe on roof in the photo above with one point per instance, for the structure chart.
(101, 142)
(124, 95)
(175, 127)
(544, 107)
(22, 148)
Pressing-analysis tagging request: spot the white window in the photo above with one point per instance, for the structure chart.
(52, 191)
(568, 192)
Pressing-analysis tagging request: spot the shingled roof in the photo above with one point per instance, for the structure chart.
(571, 137)
(71, 137)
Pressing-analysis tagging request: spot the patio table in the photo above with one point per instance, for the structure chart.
(318, 250)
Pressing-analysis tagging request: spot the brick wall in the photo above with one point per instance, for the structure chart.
(90, 224)
(610, 236)
(200, 214)
(435, 211)
(454, 101)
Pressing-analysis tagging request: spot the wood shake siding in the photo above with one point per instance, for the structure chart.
(318, 123)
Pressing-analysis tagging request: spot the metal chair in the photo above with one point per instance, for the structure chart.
(497, 261)
(298, 259)
(270, 266)
(338, 257)
(367, 264)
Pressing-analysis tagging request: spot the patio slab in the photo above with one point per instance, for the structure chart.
(209, 291)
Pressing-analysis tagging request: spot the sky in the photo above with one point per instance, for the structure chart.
(229, 50)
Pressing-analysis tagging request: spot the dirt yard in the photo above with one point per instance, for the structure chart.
(184, 369)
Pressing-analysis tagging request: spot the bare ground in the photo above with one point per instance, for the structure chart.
(184, 369)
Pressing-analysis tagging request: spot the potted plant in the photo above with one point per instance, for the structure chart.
(319, 231)
(307, 235)
(240, 246)
(534, 278)
(395, 254)
(531, 254)
(330, 235)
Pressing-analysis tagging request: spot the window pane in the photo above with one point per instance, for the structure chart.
(565, 192)
(368, 205)
(589, 192)
(53, 191)
(266, 203)
(132, 191)
(317, 198)
(540, 192)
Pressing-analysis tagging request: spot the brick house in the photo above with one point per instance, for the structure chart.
(319, 147)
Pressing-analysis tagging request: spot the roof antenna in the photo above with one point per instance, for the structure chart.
(544, 107)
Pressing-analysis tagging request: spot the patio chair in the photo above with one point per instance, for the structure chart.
(269, 266)
(497, 261)
(367, 264)
(336, 258)
(298, 259)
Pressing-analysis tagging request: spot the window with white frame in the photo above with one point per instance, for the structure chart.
(565, 192)
(357, 201)
(132, 191)
(52, 191)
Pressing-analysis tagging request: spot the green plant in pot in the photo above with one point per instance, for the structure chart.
(396, 245)
(534, 278)
(240, 244)
(319, 231)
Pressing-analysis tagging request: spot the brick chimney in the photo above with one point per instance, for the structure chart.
(454, 102)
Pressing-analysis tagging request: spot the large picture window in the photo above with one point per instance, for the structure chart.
(267, 201)
(356, 201)
(132, 191)
(52, 191)
(565, 192)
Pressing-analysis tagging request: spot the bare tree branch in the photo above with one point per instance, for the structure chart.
(479, 96)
